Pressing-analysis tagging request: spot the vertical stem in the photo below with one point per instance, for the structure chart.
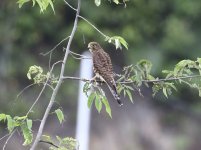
(43, 121)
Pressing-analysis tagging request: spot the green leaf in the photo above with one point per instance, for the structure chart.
(98, 104)
(20, 118)
(60, 115)
(52, 5)
(165, 92)
(46, 138)
(3, 117)
(29, 124)
(43, 4)
(173, 86)
(27, 134)
(116, 1)
(129, 95)
(129, 87)
(199, 90)
(59, 139)
(22, 2)
(117, 41)
(10, 123)
(86, 87)
(91, 99)
(107, 106)
(97, 2)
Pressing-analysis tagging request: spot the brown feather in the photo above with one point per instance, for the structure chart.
(103, 67)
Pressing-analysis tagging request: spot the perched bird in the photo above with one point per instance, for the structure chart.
(103, 69)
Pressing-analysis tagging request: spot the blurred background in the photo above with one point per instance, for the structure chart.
(163, 32)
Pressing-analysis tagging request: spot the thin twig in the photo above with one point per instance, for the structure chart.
(44, 86)
(87, 20)
(44, 54)
(47, 142)
(52, 99)
(51, 51)
(22, 91)
(70, 5)
(93, 26)
(4, 136)
(11, 134)
(80, 56)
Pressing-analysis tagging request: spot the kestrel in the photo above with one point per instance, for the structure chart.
(103, 69)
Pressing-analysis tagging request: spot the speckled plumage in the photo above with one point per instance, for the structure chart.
(103, 69)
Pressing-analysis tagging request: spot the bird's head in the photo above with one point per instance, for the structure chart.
(93, 46)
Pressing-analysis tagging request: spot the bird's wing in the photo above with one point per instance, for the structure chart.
(102, 63)
(103, 66)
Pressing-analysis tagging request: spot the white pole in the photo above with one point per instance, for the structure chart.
(83, 113)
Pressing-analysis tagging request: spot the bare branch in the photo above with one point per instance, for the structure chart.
(11, 134)
(42, 124)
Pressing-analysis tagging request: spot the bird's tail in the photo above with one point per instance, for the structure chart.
(112, 86)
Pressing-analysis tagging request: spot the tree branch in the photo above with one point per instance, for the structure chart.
(47, 142)
(128, 82)
(40, 130)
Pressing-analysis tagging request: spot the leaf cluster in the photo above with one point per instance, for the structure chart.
(184, 72)
(66, 143)
(23, 123)
(36, 74)
(43, 4)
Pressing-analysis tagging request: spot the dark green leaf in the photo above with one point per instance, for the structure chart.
(98, 104)
(107, 106)
(28, 136)
(165, 92)
(29, 124)
(3, 117)
(10, 123)
(129, 95)
(91, 99)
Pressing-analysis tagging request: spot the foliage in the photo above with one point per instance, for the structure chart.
(98, 95)
(19, 122)
(43, 4)
(185, 71)
(36, 73)
(133, 77)
(60, 115)
(118, 41)
(66, 143)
